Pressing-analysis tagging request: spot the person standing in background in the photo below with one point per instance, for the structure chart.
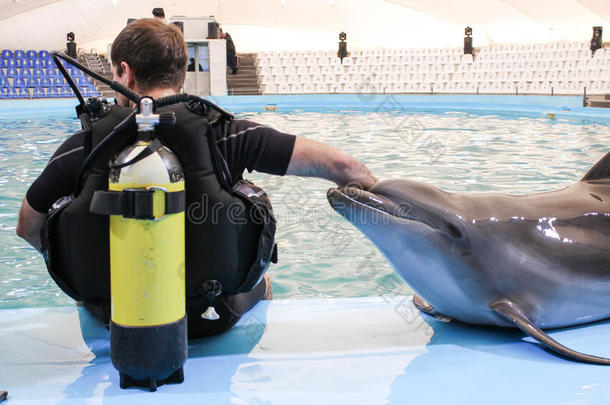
(159, 13)
(231, 53)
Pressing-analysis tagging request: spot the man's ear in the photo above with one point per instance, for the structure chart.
(128, 75)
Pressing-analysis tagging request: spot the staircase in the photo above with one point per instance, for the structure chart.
(246, 79)
(599, 101)
(100, 65)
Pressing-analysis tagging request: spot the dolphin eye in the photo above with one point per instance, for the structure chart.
(454, 231)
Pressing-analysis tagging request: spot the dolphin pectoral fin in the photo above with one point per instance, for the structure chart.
(511, 311)
(426, 308)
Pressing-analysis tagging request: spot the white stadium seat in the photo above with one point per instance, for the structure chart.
(508, 88)
(449, 87)
(320, 88)
(348, 88)
(466, 58)
(283, 88)
(269, 89)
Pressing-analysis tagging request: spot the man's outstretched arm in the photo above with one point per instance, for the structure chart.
(315, 159)
(30, 224)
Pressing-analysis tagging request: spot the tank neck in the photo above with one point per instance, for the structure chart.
(146, 136)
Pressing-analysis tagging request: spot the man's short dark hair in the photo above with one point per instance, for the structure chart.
(158, 12)
(155, 51)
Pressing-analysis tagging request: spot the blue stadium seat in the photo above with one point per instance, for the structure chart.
(91, 92)
(19, 54)
(25, 72)
(17, 62)
(31, 54)
(3, 92)
(2, 63)
(52, 92)
(66, 92)
(23, 92)
(46, 82)
(35, 63)
(44, 54)
(83, 81)
(18, 82)
(45, 63)
(32, 82)
(27, 63)
(52, 72)
(3, 82)
(12, 72)
(12, 92)
(39, 92)
(38, 72)
(59, 82)
(76, 72)
(10, 63)
(6, 54)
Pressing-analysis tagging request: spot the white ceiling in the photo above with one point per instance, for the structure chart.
(265, 24)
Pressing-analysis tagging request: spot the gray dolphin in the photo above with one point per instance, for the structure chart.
(536, 262)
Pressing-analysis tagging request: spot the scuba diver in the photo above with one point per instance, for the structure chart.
(227, 250)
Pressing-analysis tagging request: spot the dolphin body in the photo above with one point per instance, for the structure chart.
(536, 262)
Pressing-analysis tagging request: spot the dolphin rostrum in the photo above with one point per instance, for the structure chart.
(536, 262)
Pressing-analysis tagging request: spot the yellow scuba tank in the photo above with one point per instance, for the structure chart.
(148, 333)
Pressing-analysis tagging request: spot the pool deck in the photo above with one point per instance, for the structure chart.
(316, 351)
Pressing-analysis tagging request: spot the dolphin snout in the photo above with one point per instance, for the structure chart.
(344, 199)
(355, 204)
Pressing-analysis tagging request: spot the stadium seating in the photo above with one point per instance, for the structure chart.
(33, 74)
(553, 68)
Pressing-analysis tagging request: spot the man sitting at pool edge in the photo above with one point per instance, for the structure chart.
(150, 58)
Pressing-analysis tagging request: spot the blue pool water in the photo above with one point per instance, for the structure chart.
(456, 148)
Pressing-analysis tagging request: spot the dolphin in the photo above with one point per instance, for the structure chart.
(535, 262)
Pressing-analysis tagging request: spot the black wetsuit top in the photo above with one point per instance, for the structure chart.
(244, 144)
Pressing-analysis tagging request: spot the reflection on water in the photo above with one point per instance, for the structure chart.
(321, 255)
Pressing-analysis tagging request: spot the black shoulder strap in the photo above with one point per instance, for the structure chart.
(220, 164)
(86, 124)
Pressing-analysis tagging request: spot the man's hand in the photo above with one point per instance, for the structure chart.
(30, 224)
(316, 159)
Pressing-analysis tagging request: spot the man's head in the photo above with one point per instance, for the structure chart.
(149, 55)
(158, 13)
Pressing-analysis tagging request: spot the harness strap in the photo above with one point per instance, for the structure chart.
(144, 153)
(136, 202)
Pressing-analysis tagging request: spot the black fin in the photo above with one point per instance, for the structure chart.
(601, 170)
(426, 308)
(513, 313)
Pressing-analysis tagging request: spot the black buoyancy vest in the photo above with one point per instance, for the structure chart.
(229, 230)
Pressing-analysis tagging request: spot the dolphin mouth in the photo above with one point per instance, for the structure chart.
(347, 201)
(343, 199)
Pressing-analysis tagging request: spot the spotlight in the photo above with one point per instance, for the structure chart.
(71, 45)
(596, 40)
(468, 41)
(342, 52)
